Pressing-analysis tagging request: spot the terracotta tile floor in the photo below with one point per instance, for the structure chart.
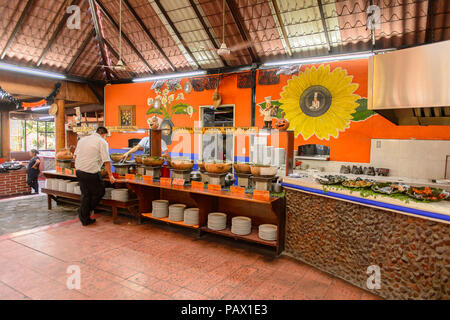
(127, 261)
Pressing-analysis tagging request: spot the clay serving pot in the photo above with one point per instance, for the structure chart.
(263, 171)
(242, 168)
(184, 165)
(138, 159)
(218, 167)
(116, 157)
(152, 161)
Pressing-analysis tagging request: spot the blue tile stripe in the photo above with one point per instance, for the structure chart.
(371, 202)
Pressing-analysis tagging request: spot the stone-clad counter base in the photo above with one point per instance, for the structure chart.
(344, 239)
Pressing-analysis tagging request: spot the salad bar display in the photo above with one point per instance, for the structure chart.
(385, 188)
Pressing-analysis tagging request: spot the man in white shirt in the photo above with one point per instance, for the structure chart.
(90, 155)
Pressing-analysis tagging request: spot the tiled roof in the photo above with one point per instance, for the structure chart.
(164, 36)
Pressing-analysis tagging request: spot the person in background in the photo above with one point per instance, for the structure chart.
(90, 155)
(33, 170)
(144, 144)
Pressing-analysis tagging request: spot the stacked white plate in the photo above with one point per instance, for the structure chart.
(160, 208)
(217, 221)
(268, 232)
(62, 185)
(241, 225)
(70, 186)
(176, 212)
(49, 184)
(108, 193)
(191, 216)
(119, 194)
(77, 190)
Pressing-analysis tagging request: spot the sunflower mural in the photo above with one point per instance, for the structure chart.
(319, 102)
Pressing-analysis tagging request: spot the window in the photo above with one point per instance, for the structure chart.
(30, 134)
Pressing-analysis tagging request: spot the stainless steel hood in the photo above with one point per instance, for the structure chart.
(412, 86)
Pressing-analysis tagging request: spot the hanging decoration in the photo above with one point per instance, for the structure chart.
(244, 80)
(268, 77)
(43, 102)
(187, 87)
(198, 84)
(4, 95)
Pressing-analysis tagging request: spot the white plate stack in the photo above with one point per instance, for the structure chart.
(108, 193)
(70, 187)
(176, 212)
(49, 184)
(160, 208)
(62, 185)
(119, 194)
(217, 221)
(191, 216)
(77, 190)
(241, 225)
(268, 232)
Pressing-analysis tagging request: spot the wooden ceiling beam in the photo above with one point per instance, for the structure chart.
(177, 33)
(279, 20)
(324, 25)
(17, 28)
(115, 54)
(149, 35)
(208, 32)
(124, 36)
(23, 85)
(55, 34)
(429, 33)
(81, 50)
(93, 8)
(242, 30)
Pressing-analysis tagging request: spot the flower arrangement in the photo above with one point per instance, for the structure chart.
(168, 102)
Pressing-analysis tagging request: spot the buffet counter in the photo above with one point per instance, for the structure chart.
(438, 211)
(349, 235)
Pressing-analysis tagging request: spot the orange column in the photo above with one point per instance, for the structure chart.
(60, 121)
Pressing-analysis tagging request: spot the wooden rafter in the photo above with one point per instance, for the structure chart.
(55, 34)
(93, 8)
(81, 49)
(175, 30)
(429, 33)
(124, 36)
(148, 33)
(279, 20)
(208, 32)
(114, 52)
(17, 28)
(324, 25)
(242, 30)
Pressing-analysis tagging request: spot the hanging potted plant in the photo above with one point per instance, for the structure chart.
(169, 102)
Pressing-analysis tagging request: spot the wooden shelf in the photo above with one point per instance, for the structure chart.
(178, 223)
(252, 237)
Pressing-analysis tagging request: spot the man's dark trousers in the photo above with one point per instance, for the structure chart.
(92, 191)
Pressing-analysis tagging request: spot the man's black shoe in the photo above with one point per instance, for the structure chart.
(91, 221)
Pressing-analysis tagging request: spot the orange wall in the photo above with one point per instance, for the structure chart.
(351, 145)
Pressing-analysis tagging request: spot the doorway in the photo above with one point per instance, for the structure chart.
(217, 146)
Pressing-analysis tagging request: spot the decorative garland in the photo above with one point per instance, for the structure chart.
(46, 101)
(4, 95)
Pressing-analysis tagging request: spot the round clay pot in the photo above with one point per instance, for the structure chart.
(116, 157)
(242, 168)
(152, 161)
(181, 164)
(218, 167)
